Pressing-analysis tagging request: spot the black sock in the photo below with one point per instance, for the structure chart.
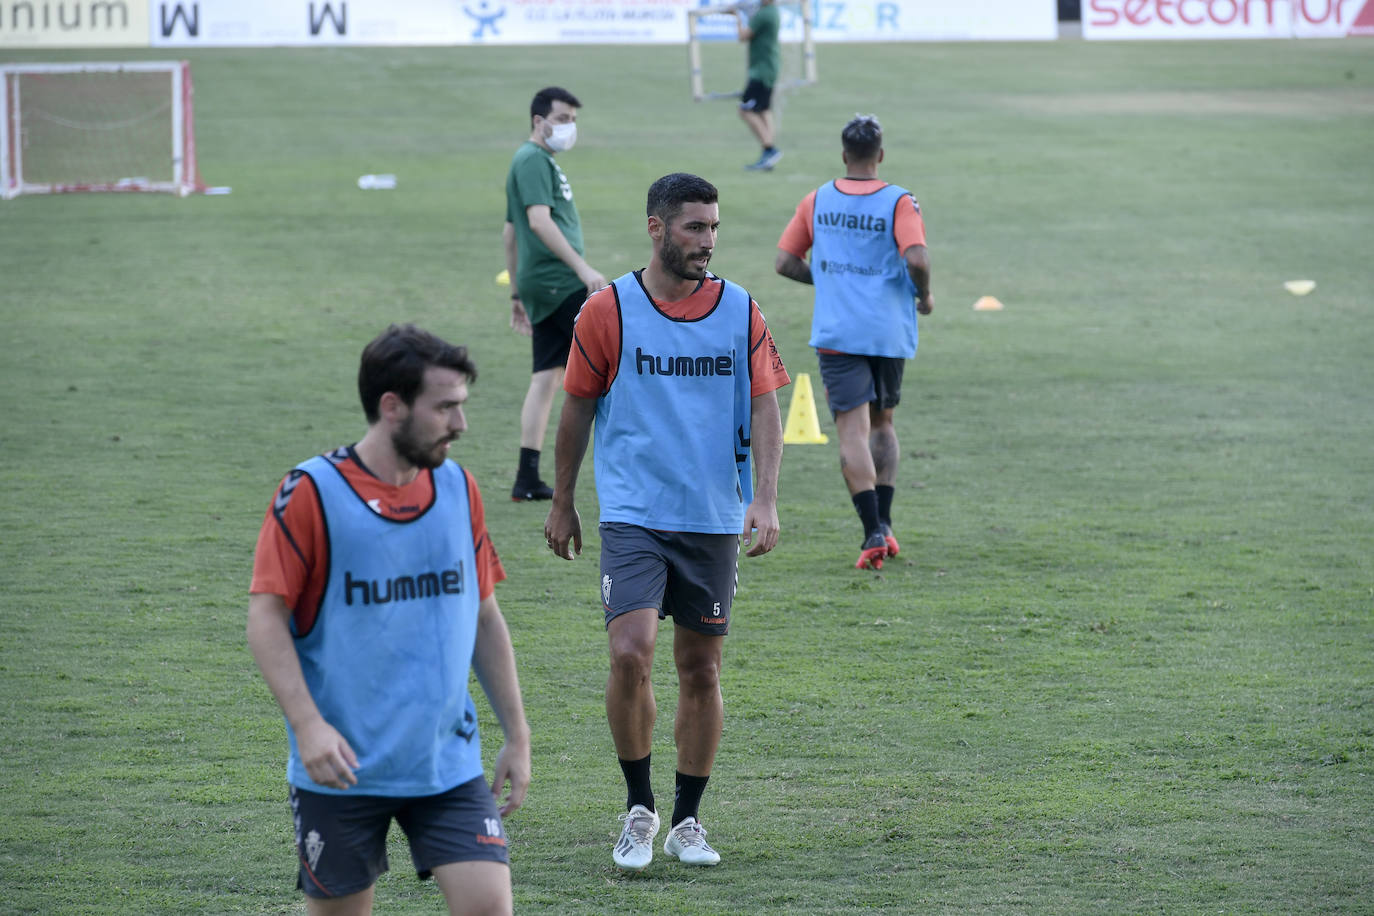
(866, 504)
(769, 149)
(528, 469)
(885, 494)
(688, 797)
(637, 781)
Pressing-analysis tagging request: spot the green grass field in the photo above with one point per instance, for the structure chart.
(1123, 664)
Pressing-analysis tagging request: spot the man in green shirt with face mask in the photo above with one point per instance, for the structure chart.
(765, 60)
(549, 278)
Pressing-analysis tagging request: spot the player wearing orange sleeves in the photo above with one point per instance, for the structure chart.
(294, 529)
(597, 341)
(371, 604)
(871, 271)
(676, 370)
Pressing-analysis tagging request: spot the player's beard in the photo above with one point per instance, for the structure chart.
(412, 451)
(675, 260)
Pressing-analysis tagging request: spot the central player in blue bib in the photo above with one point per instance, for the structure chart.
(672, 434)
(677, 372)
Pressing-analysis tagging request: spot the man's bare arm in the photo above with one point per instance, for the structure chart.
(793, 267)
(563, 527)
(519, 320)
(493, 661)
(918, 267)
(761, 525)
(327, 756)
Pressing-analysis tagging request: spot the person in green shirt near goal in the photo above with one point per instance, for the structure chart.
(760, 30)
(549, 278)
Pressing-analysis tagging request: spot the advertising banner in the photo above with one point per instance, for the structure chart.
(590, 21)
(246, 23)
(910, 20)
(183, 23)
(1209, 19)
(89, 24)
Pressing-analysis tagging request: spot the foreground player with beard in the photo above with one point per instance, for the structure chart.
(677, 371)
(372, 598)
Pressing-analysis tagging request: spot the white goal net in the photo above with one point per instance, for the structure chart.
(715, 57)
(97, 127)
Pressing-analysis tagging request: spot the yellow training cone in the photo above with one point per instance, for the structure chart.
(987, 304)
(802, 425)
(1300, 287)
(503, 278)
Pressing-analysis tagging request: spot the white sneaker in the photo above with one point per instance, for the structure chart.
(635, 848)
(687, 843)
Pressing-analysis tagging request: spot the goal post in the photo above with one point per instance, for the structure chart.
(97, 127)
(717, 23)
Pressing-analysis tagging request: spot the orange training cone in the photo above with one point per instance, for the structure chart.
(803, 427)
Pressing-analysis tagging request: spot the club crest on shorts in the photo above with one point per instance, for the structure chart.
(313, 847)
(606, 590)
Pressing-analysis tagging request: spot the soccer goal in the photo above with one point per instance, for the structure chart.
(712, 24)
(97, 127)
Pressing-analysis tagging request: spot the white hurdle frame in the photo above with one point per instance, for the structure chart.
(808, 77)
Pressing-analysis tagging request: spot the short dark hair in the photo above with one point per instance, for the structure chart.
(396, 361)
(543, 100)
(862, 138)
(669, 193)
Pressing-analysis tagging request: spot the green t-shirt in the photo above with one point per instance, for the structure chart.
(542, 280)
(765, 54)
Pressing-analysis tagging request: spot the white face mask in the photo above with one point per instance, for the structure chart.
(563, 137)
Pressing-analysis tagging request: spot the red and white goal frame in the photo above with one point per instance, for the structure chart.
(110, 126)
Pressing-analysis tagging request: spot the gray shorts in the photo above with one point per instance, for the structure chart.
(851, 381)
(341, 839)
(689, 576)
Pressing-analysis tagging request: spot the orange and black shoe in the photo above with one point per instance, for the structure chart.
(893, 548)
(873, 552)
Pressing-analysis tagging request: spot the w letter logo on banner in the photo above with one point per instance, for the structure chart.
(326, 10)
